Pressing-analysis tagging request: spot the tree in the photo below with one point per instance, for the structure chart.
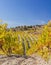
(49, 23)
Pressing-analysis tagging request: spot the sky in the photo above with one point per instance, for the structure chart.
(25, 12)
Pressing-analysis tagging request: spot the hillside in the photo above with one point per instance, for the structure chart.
(25, 41)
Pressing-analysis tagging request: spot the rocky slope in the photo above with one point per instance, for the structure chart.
(32, 60)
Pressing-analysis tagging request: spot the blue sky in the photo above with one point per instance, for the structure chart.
(25, 12)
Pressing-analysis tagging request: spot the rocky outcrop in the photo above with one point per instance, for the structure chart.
(32, 60)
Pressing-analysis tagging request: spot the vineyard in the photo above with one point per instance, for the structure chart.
(26, 42)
